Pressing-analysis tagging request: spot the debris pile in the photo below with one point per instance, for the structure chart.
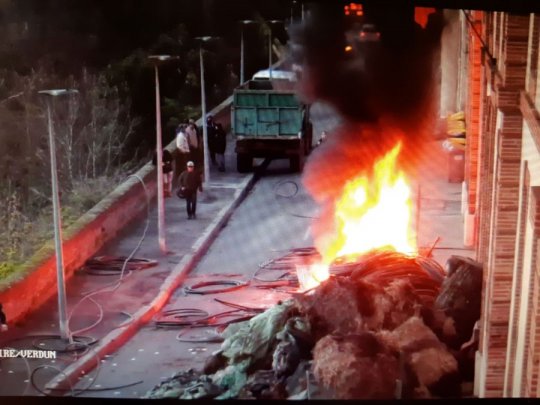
(385, 326)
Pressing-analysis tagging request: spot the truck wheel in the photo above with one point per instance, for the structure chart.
(244, 163)
(297, 162)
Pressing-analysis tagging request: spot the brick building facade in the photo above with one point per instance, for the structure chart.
(498, 76)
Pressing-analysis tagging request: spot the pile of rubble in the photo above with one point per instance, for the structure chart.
(386, 326)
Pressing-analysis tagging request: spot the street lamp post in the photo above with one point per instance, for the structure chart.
(243, 22)
(57, 219)
(203, 108)
(270, 45)
(156, 59)
(292, 10)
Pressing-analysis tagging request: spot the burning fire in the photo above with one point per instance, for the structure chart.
(372, 212)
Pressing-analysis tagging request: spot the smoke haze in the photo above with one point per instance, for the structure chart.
(385, 91)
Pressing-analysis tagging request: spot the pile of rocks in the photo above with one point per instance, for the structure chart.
(386, 326)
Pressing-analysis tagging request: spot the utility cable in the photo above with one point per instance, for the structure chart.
(198, 288)
(88, 296)
(115, 285)
(111, 265)
(278, 194)
(28, 371)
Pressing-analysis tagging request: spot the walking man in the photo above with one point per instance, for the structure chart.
(190, 182)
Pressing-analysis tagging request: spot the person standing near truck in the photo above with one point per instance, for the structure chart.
(190, 182)
(323, 137)
(220, 144)
(211, 133)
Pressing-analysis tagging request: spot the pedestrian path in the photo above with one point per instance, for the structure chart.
(124, 305)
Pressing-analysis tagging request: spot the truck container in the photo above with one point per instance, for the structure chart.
(269, 121)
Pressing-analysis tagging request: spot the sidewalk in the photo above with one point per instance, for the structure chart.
(139, 296)
(440, 208)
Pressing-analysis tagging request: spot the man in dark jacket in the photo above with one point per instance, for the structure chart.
(190, 182)
(211, 134)
(220, 146)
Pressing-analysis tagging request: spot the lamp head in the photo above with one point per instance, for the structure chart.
(162, 58)
(58, 92)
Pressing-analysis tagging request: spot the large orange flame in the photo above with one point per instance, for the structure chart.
(374, 212)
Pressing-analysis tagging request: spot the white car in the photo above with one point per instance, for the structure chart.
(369, 33)
(276, 74)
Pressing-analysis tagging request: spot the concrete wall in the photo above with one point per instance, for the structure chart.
(450, 54)
(83, 239)
(22, 294)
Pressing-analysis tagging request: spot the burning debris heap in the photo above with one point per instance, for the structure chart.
(385, 326)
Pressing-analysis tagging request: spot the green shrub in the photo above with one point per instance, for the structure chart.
(25, 236)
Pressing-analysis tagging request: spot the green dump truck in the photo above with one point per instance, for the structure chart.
(269, 121)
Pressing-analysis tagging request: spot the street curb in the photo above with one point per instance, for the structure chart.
(119, 336)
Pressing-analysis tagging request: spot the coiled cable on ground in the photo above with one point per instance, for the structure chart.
(77, 346)
(79, 343)
(73, 391)
(111, 265)
(181, 317)
(285, 264)
(28, 371)
(240, 307)
(191, 318)
(279, 193)
(115, 285)
(200, 288)
(172, 319)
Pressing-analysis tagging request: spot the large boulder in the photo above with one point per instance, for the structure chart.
(356, 367)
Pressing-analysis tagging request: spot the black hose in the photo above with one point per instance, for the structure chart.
(292, 194)
(111, 265)
(182, 317)
(73, 391)
(80, 343)
(196, 288)
(240, 307)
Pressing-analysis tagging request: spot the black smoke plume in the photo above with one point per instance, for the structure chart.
(384, 90)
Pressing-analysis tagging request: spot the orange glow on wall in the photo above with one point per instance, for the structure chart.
(421, 15)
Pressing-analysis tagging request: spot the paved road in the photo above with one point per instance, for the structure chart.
(273, 219)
